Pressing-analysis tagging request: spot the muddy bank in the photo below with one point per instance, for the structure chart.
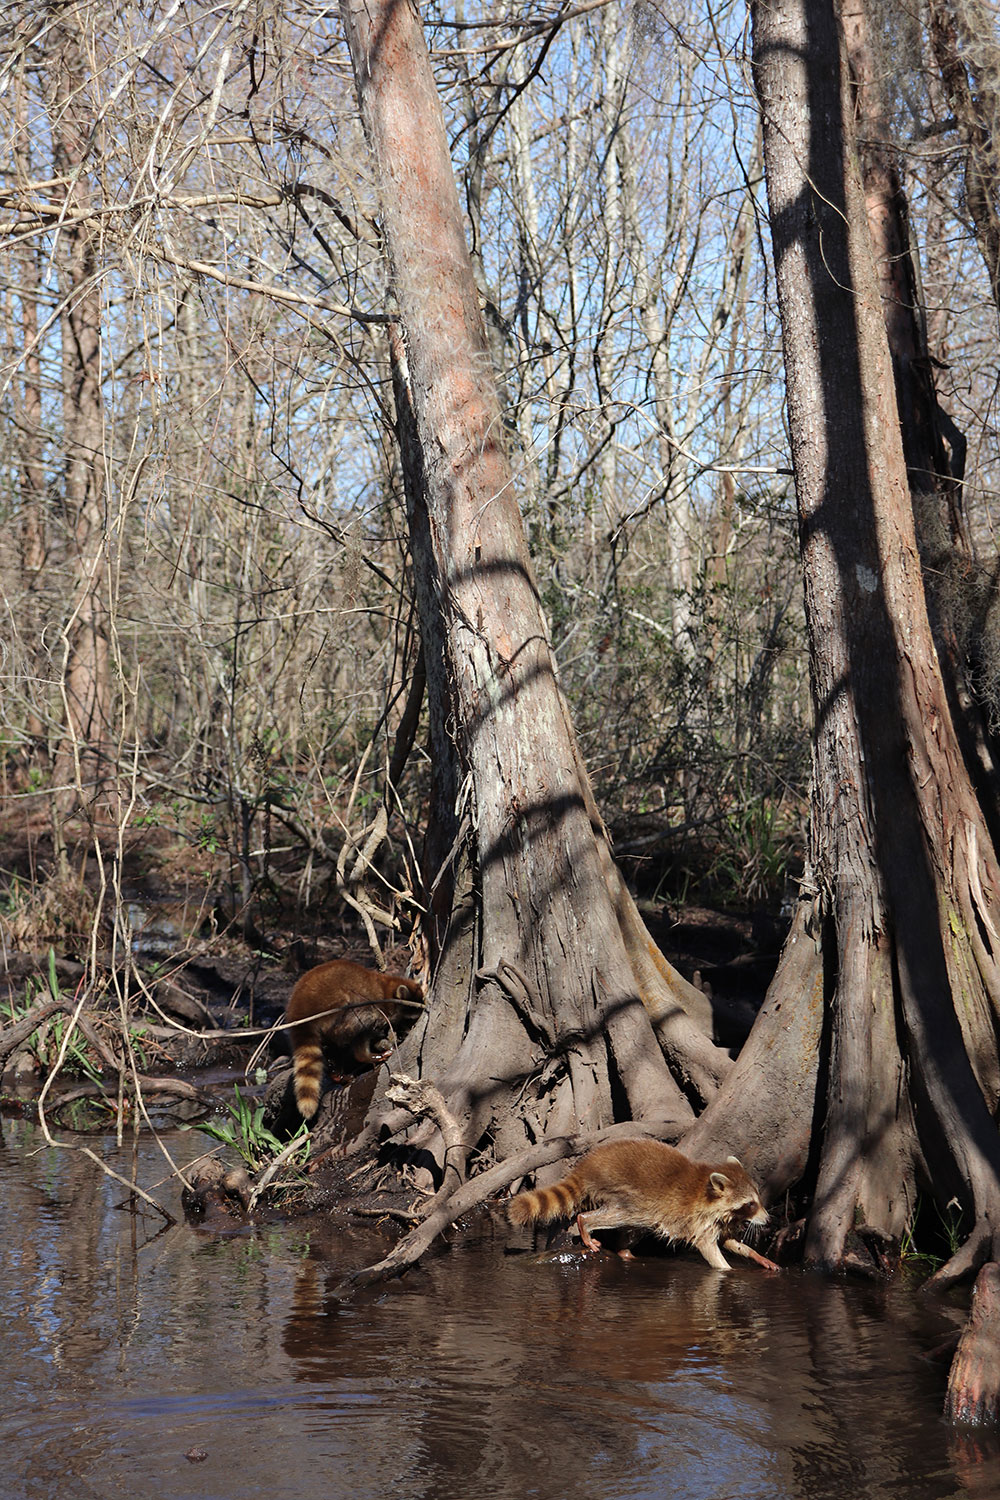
(198, 1001)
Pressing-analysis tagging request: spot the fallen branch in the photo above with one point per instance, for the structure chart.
(386, 1213)
(474, 1192)
(12, 1037)
(86, 1022)
(179, 1088)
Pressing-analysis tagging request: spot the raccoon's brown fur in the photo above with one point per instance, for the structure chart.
(650, 1188)
(348, 1013)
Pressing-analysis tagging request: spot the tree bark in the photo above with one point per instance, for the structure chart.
(973, 1396)
(933, 446)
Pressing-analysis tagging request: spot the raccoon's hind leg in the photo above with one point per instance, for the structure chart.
(589, 1243)
(602, 1218)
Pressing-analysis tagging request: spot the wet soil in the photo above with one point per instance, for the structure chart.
(147, 1360)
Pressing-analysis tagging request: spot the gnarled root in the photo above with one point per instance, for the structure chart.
(424, 1101)
(974, 1381)
(976, 1251)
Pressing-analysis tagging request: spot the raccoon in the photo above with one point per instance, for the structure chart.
(651, 1188)
(350, 1014)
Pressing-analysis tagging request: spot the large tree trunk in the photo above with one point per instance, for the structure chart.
(551, 1030)
(906, 875)
(82, 765)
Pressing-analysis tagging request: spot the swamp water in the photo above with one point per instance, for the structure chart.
(127, 1346)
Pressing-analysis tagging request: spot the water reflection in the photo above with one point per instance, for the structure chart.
(128, 1346)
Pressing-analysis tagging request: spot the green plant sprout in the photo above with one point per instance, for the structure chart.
(246, 1133)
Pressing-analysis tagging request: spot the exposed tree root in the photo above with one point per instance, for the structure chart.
(764, 1111)
(974, 1381)
(977, 1249)
(423, 1100)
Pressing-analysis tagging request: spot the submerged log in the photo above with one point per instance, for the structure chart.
(213, 1195)
(974, 1381)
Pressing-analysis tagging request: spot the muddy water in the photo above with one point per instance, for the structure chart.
(126, 1347)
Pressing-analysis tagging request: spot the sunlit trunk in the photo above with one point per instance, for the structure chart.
(907, 888)
(551, 962)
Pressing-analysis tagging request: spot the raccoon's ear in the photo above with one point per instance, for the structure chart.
(735, 1161)
(402, 992)
(717, 1183)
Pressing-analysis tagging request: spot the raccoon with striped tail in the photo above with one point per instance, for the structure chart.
(647, 1187)
(347, 1014)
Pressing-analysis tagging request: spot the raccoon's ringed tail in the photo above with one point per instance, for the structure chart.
(308, 1078)
(544, 1204)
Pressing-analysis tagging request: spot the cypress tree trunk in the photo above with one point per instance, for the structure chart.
(551, 1029)
(907, 886)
